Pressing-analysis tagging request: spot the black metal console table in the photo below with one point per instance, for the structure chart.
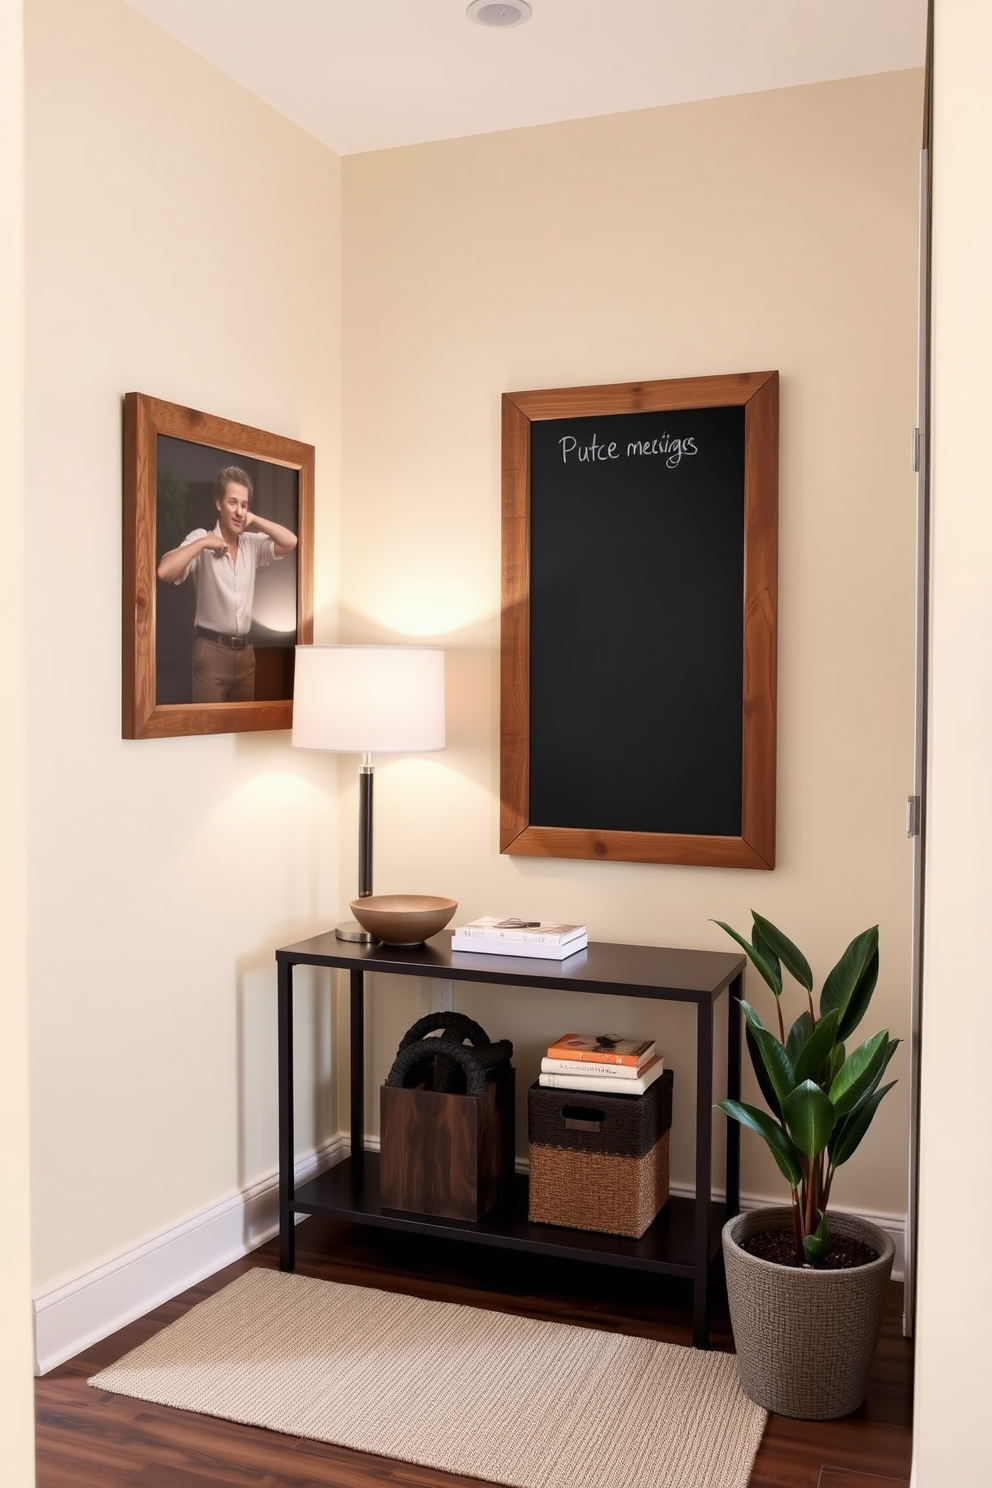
(685, 1237)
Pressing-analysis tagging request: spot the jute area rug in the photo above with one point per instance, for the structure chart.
(507, 1399)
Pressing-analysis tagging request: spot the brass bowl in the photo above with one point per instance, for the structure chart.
(403, 919)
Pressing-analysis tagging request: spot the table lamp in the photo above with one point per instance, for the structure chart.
(368, 700)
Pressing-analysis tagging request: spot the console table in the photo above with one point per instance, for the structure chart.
(684, 1238)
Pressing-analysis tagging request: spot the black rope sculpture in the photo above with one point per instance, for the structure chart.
(434, 1052)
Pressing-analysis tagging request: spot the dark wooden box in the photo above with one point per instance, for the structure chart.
(449, 1155)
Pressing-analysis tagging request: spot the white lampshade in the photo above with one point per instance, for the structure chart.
(369, 699)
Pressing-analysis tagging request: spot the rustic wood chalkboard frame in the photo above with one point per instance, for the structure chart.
(757, 393)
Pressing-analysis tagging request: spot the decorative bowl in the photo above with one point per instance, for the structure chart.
(403, 919)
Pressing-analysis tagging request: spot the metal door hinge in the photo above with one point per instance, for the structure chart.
(916, 450)
(913, 816)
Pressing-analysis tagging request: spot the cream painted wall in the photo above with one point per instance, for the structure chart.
(955, 1297)
(773, 230)
(183, 240)
(16, 1404)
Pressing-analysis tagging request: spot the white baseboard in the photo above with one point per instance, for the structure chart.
(68, 1318)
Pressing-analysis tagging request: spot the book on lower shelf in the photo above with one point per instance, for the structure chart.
(607, 1084)
(603, 1048)
(590, 1070)
(522, 949)
(525, 932)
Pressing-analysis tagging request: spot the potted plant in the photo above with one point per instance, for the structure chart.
(806, 1286)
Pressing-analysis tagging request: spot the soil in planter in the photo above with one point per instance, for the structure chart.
(780, 1246)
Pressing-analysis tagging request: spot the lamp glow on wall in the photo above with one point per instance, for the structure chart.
(368, 700)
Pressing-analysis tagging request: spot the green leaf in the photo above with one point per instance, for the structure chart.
(764, 949)
(817, 1245)
(849, 1132)
(783, 1150)
(850, 984)
(809, 1117)
(836, 1060)
(817, 1050)
(798, 1034)
(891, 1048)
(776, 1061)
(790, 955)
(751, 1017)
(761, 1074)
(860, 997)
(860, 1073)
(770, 974)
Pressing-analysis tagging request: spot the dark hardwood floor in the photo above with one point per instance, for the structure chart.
(88, 1439)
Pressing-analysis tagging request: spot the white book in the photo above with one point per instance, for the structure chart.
(591, 1068)
(600, 1084)
(529, 932)
(521, 949)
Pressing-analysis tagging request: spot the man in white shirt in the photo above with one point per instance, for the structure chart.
(223, 564)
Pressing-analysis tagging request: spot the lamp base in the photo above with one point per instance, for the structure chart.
(352, 930)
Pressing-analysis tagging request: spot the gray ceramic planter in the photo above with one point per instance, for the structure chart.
(805, 1340)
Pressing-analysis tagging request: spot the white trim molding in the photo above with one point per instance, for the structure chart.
(71, 1316)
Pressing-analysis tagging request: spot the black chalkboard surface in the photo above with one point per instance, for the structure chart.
(638, 657)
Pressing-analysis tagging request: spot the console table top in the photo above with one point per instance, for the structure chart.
(629, 970)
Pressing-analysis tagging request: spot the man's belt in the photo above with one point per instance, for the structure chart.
(236, 643)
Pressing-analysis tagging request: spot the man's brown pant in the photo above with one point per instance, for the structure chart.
(221, 674)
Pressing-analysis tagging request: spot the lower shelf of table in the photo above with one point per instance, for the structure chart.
(350, 1191)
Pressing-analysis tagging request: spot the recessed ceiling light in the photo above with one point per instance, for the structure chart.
(492, 13)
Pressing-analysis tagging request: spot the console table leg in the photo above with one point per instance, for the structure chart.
(357, 1070)
(734, 1016)
(287, 1154)
(704, 1174)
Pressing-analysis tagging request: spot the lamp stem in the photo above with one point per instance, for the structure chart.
(350, 929)
(365, 828)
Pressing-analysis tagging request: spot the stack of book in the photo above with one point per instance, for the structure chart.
(517, 937)
(601, 1063)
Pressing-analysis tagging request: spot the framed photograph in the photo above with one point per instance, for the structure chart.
(218, 571)
(639, 621)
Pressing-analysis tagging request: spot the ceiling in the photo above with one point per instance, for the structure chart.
(371, 74)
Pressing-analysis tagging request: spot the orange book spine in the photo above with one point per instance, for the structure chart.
(598, 1056)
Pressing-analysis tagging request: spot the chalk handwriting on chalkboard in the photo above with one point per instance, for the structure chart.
(672, 449)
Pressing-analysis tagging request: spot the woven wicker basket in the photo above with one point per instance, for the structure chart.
(598, 1190)
(805, 1339)
(599, 1162)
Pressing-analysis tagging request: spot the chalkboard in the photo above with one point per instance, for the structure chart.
(639, 621)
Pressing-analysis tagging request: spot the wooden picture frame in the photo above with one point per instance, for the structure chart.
(753, 846)
(203, 440)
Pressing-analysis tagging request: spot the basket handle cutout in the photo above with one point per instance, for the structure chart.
(582, 1118)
